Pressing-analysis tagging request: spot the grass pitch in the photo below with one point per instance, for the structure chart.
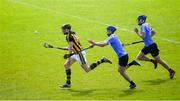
(29, 71)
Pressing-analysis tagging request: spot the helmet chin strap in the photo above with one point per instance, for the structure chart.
(65, 33)
(109, 34)
(139, 24)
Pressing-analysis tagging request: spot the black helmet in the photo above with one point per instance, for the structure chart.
(66, 26)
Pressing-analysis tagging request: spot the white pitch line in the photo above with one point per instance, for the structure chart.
(57, 12)
(168, 40)
(85, 19)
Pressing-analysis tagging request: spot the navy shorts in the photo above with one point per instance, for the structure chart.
(123, 61)
(153, 49)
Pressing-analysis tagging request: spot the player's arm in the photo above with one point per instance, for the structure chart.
(140, 34)
(100, 44)
(153, 33)
(71, 42)
(70, 48)
(65, 48)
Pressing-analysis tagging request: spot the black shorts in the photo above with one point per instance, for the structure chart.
(123, 61)
(153, 49)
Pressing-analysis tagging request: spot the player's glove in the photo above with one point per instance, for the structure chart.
(67, 55)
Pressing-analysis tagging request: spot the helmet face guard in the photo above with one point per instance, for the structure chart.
(111, 29)
(141, 19)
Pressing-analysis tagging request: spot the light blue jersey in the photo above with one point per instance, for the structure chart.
(145, 28)
(116, 45)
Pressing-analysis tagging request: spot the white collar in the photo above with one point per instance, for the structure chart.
(111, 36)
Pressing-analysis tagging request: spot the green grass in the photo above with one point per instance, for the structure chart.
(29, 71)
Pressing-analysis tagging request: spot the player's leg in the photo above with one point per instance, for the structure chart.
(83, 62)
(166, 66)
(67, 65)
(88, 68)
(162, 62)
(155, 53)
(142, 57)
(122, 70)
(135, 62)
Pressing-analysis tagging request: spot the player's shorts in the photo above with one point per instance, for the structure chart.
(123, 61)
(81, 57)
(153, 49)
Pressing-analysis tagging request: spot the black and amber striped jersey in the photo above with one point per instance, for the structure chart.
(76, 42)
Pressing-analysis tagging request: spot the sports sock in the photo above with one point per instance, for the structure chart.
(68, 74)
(131, 82)
(152, 60)
(131, 63)
(169, 69)
(94, 65)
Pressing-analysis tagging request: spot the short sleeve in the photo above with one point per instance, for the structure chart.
(143, 29)
(70, 38)
(109, 40)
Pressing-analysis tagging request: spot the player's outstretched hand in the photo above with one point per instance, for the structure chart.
(91, 46)
(91, 41)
